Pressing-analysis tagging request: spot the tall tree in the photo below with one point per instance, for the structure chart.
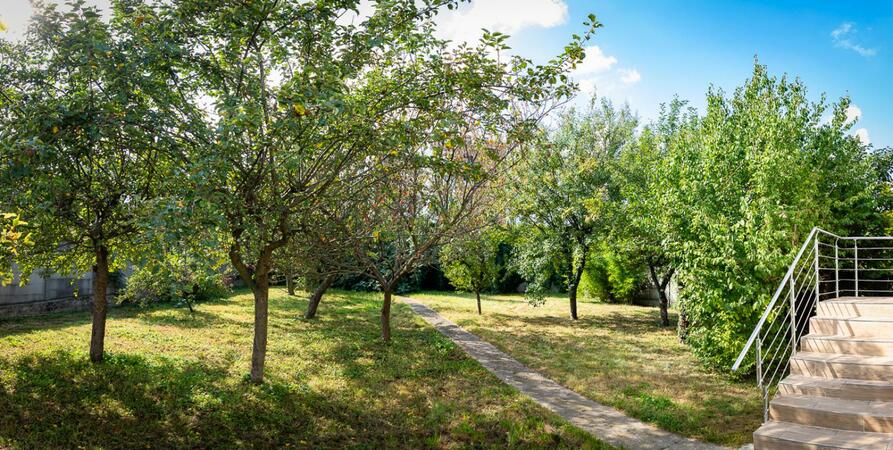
(300, 105)
(642, 229)
(756, 173)
(561, 193)
(87, 120)
(476, 112)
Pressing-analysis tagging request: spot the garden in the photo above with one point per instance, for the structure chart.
(251, 188)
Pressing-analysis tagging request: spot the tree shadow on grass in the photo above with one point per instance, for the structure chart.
(60, 400)
(181, 317)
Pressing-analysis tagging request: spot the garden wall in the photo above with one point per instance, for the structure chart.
(46, 294)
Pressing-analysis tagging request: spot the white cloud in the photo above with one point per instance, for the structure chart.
(595, 62)
(16, 14)
(587, 86)
(843, 37)
(597, 74)
(853, 113)
(504, 16)
(629, 76)
(862, 134)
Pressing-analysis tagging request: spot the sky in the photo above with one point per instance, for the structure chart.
(650, 51)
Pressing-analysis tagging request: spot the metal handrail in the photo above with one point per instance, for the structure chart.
(803, 284)
(787, 276)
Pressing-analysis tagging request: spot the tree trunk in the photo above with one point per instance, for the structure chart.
(661, 286)
(261, 313)
(478, 295)
(317, 296)
(386, 316)
(100, 304)
(575, 282)
(289, 282)
(572, 293)
(662, 296)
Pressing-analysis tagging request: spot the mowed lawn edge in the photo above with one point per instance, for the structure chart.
(175, 379)
(617, 355)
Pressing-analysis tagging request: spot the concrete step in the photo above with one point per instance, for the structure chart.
(836, 388)
(847, 345)
(791, 436)
(840, 414)
(853, 327)
(831, 365)
(878, 307)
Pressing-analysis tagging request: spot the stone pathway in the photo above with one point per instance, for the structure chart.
(602, 421)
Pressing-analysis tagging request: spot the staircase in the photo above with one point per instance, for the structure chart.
(839, 393)
(824, 348)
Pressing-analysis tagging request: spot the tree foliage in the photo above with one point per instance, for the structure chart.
(87, 124)
(470, 262)
(562, 192)
(746, 183)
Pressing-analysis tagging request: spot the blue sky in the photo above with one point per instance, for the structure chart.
(649, 51)
(678, 48)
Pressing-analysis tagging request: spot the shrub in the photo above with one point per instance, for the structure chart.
(177, 279)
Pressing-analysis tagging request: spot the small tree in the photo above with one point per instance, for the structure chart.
(87, 120)
(470, 262)
(314, 258)
(562, 193)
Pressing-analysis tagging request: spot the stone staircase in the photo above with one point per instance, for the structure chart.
(839, 393)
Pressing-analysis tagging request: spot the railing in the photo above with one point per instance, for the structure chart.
(827, 266)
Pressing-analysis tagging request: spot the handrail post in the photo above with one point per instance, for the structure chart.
(818, 279)
(836, 270)
(793, 297)
(763, 391)
(856, 264)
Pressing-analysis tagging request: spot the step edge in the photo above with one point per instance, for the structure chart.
(824, 431)
(832, 401)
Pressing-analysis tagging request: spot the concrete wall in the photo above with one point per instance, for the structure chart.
(45, 294)
(649, 296)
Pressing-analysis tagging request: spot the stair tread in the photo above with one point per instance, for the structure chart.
(825, 437)
(845, 359)
(843, 337)
(861, 300)
(871, 408)
(804, 380)
(854, 318)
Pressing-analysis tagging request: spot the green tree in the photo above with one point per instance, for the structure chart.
(562, 192)
(12, 238)
(302, 106)
(472, 112)
(751, 179)
(644, 209)
(470, 262)
(87, 121)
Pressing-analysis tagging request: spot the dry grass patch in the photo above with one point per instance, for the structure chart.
(617, 355)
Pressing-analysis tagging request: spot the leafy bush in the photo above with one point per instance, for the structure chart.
(177, 279)
(745, 184)
(612, 276)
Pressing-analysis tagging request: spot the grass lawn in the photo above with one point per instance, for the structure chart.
(172, 380)
(617, 355)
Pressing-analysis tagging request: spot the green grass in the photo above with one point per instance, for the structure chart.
(617, 355)
(174, 380)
